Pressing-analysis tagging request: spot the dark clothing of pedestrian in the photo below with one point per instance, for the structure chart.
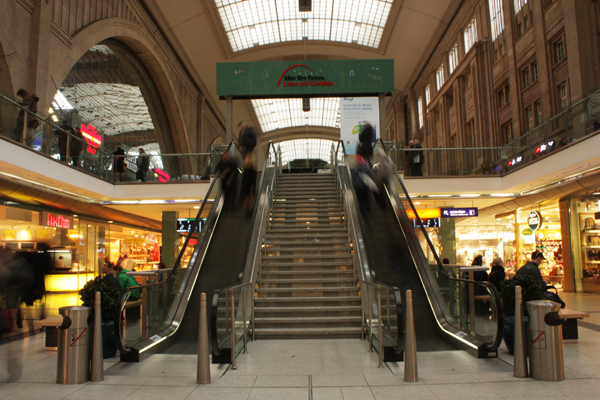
(63, 137)
(247, 137)
(29, 103)
(417, 158)
(119, 162)
(248, 188)
(531, 268)
(113, 279)
(497, 276)
(228, 171)
(75, 147)
(143, 164)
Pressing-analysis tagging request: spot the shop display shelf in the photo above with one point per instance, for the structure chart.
(591, 247)
(592, 262)
(591, 231)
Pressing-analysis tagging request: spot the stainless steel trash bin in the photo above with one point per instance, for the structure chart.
(546, 362)
(73, 346)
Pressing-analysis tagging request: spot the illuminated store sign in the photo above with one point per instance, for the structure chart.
(515, 161)
(544, 147)
(162, 175)
(460, 212)
(56, 220)
(91, 136)
(534, 220)
(424, 213)
(186, 224)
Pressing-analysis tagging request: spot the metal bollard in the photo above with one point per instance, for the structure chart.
(411, 373)
(203, 375)
(546, 360)
(97, 372)
(520, 364)
(73, 358)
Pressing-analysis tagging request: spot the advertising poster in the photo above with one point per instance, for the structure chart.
(354, 112)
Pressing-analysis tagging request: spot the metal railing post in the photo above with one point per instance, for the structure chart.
(370, 319)
(203, 373)
(520, 364)
(244, 324)
(97, 372)
(233, 361)
(411, 373)
(379, 327)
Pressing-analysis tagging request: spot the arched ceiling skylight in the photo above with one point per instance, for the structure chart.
(250, 23)
(285, 113)
(302, 149)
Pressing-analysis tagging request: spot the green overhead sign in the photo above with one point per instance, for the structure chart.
(281, 79)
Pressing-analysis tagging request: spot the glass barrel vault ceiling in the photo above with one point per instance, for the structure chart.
(285, 113)
(250, 23)
(303, 149)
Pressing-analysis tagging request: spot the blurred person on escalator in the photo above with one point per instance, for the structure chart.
(497, 275)
(248, 189)
(228, 172)
(363, 178)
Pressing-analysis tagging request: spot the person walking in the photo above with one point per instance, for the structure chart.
(28, 103)
(118, 163)
(63, 136)
(143, 164)
(75, 147)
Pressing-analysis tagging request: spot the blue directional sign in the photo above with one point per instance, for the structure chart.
(460, 212)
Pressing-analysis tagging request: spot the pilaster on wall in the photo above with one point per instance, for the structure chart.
(51, 35)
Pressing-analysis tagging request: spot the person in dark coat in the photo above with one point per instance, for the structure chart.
(63, 133)
(417, 157)
(75, 147)
(107, 270)
(143, 164)
(481, 307)
(497, 275)
(532, 267)
(228, 171)
(28, 102)
(248, 189)
(118, 163)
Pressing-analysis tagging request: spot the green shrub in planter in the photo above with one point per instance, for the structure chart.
(109, 295)
(530, 290)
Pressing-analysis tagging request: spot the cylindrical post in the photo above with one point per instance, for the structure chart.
(243, 294)
(379, 327)
(411, 373)
(520, 363)
(203, 375)
(369, 304)
(233, 362)
(97, 374)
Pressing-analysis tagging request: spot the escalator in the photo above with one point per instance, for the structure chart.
(209, 260)
(445, 312)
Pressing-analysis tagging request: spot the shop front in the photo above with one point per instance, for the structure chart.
(76, 245)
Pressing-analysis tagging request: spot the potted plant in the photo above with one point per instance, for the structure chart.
(530, 290)
(109, 295)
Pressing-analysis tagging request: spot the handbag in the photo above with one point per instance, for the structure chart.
(553, 296)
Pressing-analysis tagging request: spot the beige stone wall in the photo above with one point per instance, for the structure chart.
(41, 40)
(466, 111)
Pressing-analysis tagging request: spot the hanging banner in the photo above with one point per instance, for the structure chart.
(354, 113)
(307, 78)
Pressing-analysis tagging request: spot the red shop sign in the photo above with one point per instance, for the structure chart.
(91, 136)
(56, 220)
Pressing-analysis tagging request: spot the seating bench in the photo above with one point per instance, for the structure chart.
(51, 324)
(569, 327)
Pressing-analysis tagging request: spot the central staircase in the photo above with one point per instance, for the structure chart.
(307, 285)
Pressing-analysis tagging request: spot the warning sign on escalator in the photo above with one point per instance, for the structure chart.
(537, 339)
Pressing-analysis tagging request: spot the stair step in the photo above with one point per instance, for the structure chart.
(290, 249)
(306, 256)
(306, 320)
(284, 205)
(315, 230)
(314, 243)
(313, 309)
(308, 299)
(307, 290)
(295, 281)
(309, 264)
(305, 272)
(306, 213)
(308, 332)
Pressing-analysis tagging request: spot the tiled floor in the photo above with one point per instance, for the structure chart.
(313, 369)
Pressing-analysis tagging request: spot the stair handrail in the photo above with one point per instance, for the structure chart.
(490, 287)
(251, 265)
(125, 293)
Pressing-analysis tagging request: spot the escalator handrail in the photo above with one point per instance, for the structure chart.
(491, 288)
(369, 261)
(125, 292)
(217, 292)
